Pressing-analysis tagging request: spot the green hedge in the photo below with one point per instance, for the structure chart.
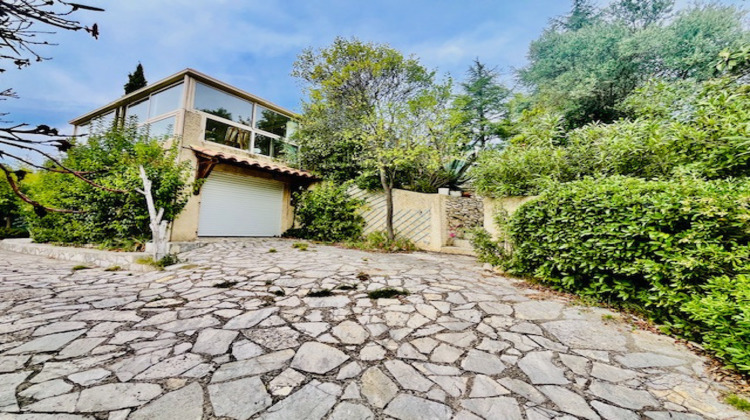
(676, 249)
(13, 232)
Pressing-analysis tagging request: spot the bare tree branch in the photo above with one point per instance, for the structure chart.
(23, 26)
(19, 38)
(24, 197)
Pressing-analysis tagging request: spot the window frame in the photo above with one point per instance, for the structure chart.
(147, 98)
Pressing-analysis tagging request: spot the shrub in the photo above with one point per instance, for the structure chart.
(723, 316)
(705, 134)
(328, 213)
(13, 232)
(108, 218)
(487, 249)
(378, 241)
(518, 170)
(676, 249)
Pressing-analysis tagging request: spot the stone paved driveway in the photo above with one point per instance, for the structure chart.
(234, 335)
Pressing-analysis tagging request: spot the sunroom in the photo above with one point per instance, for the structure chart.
(237, 142)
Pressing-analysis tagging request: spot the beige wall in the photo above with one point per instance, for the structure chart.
(185, 227)
(409, 200)
(493, 206)
(419, 217)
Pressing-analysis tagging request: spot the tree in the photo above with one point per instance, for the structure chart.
(20, 39)
(374, 102)
(136, 80)
(639, 14)
(582, 14)
(483, 112)
(586, 71)
(581, 73)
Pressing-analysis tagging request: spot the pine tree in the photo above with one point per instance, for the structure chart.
(136, 80)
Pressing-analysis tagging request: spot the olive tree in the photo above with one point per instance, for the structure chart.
(376, 105)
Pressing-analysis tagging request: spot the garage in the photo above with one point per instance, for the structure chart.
(236, 205)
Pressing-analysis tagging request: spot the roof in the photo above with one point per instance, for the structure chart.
(247, 162)
(170, 80)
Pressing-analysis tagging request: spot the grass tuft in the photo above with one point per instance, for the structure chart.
(320, 293)
(81, 267)
(738, 402)
(113, 268)
(300, 245)
(387, 293)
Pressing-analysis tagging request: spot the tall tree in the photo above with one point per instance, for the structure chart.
(136, 80)
(585, 73)
(582, 14)
(372, 100)
(482, 113)
(23, 25)
(639, 14)
(483, 103)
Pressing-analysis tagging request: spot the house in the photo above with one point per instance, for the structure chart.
(235, 141)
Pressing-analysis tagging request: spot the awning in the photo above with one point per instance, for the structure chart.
(208, 158)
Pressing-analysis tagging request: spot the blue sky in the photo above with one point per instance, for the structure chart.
(252, 44)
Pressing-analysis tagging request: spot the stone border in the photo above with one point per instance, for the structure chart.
(125, 260)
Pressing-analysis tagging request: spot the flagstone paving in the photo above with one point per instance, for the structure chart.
(234, 334)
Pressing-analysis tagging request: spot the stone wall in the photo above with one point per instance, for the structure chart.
(464, 213)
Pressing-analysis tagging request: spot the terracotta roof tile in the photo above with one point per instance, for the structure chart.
(252, 163)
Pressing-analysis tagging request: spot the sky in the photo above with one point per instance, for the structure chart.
(252, 44)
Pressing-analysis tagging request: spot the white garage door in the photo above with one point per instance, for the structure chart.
(235, 205)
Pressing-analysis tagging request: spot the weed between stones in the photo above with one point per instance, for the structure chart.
(320, 293)
(362, 276)
(386, 293)
(300, 245)
(738, 402)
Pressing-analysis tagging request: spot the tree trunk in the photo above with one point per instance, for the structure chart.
(157, 225)
(388, 189)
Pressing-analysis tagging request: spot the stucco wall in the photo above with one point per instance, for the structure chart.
(508, 205)
(419, 217)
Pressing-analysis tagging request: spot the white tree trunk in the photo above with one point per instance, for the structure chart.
(157, 225)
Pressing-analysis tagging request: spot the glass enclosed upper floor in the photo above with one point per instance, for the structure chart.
(228, 116)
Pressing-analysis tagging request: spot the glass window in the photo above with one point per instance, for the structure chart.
(224, 105)
(291, 128)
(162, 128)
(138, 110)
(165, 101)
(283, 150)
(83, 129)
(262, 145)
(271, 121)
(221, 133)
(102, 123)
